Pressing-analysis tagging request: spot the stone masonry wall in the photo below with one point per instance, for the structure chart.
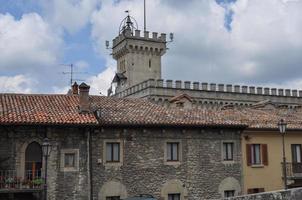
(199, 175)
(61, 185)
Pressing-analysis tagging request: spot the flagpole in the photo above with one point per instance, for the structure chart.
(144, 15)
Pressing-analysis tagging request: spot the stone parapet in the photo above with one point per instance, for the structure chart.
(222, 89)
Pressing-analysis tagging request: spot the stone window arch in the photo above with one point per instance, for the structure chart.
(33, 161)
(112, 189)
(229, 184)
(22, 159)
(174, 187)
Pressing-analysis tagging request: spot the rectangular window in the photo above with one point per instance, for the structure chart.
(69, 160)
(229, 193)
(256, 154)
(173, 196)
(255, 190)
(228, 151)
(113, 198)
(296, 153)
(172, 151)
(113, 152)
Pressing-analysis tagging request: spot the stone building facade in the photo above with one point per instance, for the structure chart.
(144, 167)
(107, 148)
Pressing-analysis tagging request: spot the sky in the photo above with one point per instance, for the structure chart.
(251, 42)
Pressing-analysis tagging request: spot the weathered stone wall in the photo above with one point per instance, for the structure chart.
(61, 184)
(292, 194)
(144, 169)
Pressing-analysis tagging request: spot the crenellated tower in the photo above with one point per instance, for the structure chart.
(138, 55)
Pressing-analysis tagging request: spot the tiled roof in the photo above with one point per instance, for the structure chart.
(42, 109)
(115, 111)
(268, 118)
(63, 109)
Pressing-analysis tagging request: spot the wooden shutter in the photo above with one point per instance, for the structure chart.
(264, 154)
(261, 189)
(248, 155)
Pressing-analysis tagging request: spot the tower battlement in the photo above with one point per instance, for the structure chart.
(146, 36)
(211, 93)
(128, 43)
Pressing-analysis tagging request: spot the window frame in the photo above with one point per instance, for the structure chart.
(173, 196)
(63, 166)
(225, 146)
(295, 158)
(170, 158)
(253, 155)
(179, 152)
(113, 197)
(227, 192)
(121, 153)
(112, 149)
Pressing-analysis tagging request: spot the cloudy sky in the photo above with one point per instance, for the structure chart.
(253, 42)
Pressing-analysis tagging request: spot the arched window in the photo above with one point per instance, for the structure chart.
(33, 161)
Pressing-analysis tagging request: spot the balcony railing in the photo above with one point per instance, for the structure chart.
(293, 170)
(10, 181)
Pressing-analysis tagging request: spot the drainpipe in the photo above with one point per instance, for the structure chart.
(89, 165)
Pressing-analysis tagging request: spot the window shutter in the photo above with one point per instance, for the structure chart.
(261, 189)
(264, 154)
(250, 191)
(248, 155)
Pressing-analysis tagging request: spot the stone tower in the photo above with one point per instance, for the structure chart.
(138, 56)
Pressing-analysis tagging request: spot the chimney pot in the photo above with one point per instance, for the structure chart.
(75, 88)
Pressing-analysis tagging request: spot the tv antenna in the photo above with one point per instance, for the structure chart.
(72, 72)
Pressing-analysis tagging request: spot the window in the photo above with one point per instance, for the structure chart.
(172, 151)
(173, 196)
(113, 198)
(255, 190)
(296, 158)
(69, 160)
(113, 152)
(256, 154)
(229, 193)
(228, 151)
(256, 158)
(296, 153)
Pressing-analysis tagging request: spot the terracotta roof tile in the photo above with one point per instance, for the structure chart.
(42, 109)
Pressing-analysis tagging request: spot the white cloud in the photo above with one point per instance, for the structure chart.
(16, 84)
(100, 83)
(72, 15)
(29, 45)
(263, 47)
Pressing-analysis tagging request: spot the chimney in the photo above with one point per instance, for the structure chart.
(75, 88)
(84, 103)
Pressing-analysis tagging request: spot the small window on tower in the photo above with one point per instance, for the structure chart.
(149, 63)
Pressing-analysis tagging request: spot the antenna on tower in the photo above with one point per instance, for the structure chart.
(72, 72)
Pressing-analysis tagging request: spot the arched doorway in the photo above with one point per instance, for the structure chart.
(33, 161)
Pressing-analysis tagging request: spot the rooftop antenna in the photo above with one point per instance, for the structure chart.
(144, 15)
(72, 72)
